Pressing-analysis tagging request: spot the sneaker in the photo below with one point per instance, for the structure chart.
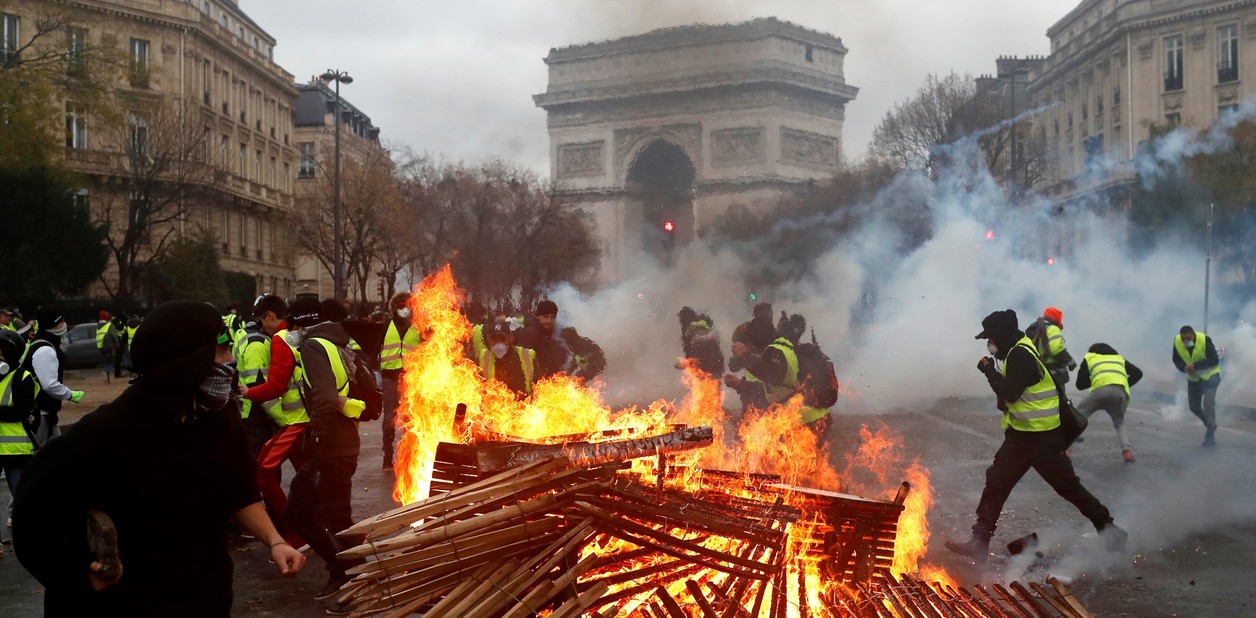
(334, 582)
(343, 609)
(1128, 455)
(1210, 438)
(977, 548)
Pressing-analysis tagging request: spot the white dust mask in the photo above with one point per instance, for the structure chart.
(500, 349)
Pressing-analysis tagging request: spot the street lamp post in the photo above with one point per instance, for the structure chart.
(338, 273)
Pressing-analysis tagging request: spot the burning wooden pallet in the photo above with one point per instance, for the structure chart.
(568, 531)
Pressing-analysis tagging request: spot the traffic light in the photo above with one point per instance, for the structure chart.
(669, 227)
(753, 297)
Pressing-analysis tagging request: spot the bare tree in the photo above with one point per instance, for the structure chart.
(369, 199)
(506, 235)
(56, 63)
(160, 174)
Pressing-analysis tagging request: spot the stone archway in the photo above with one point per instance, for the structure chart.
(660, 190)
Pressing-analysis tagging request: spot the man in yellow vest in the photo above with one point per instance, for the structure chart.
(749, 387)
(1109, 377)
(401, 337)
(1195, 354)
(512, 365)
(18, 415)
(6, 319)
(322, 489)
(107, 343)
(1030, 403)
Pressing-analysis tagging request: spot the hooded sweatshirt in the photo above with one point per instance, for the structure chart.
(169, 476)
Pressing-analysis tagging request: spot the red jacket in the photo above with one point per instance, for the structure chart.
(279, 374)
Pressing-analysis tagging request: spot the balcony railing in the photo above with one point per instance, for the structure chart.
(1172, 83)
(1227, 74)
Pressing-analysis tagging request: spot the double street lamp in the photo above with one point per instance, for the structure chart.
(338, 274)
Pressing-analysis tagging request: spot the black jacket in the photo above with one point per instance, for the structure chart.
(1083, 373)
(330, 432)
(170, 480)
(702, 345)
(551, 354)
(1022, 372)
(770, 366)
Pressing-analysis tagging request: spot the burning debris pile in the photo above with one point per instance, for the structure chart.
(575, 529)
(557, 505)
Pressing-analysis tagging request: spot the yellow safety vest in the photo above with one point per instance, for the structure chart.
(396, 347)
(253, 362)
(1038, 408)
(130, 334)
(1195, 355)
(478, 346)
(13, 437)
(781, 392)
(1055, 342)
(291, 410)
(1107, 369)
(101, 331)
(347, 406)
(527, 358)
(9, 326)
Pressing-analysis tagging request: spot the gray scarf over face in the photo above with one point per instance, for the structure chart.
(216, 389)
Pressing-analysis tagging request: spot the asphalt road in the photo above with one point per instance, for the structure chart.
(1191, 514)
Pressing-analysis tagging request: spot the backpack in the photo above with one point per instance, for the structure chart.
(362, 386)
(816, 377)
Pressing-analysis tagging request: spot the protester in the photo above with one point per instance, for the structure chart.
(171, 500)
(46, 359)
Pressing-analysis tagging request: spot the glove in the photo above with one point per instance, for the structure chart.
(985, 365)
(76, 396)
(1072, 365)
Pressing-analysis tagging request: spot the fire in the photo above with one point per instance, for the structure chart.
(438, 376)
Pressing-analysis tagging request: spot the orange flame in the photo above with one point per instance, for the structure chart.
(438, 376)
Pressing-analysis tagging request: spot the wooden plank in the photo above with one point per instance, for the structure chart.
(1068, 598)
(1042, 610)
(1050, 598)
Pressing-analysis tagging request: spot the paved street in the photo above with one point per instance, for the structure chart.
(1191, 514)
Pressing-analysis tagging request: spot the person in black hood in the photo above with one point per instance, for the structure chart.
(761, 330)
(1029, 399)
(319, 501)
(167, 465)
(46, 360)
(700, 342)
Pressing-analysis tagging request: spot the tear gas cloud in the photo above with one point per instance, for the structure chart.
(914, 344)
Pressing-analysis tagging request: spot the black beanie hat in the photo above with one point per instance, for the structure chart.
(305, 311)
(175, 345)
(48, 317)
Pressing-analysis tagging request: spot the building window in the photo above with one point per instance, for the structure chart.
(141, 207)
(139, 63)
(287, 177)
(244, 160)
(75, 127)
(206, 7)
(75, 50)
(226, 151)
(243, 233)
(1116, 95)
(1228, 108)
(10, 29)
(207, 77)
(1173, 120)
(139, 133)
(1173, 63)
(258, 167)
(1228, 56)
(82, 200)
(271, 179)
(257, 236)
(809, 54)
(306, 169)
(1094, 148)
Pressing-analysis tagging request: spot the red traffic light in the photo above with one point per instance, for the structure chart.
(989, 234)
(668, 226)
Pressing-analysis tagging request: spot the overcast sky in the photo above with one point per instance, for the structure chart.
(457, 78)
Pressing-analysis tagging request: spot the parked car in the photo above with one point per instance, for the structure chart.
(82, 350)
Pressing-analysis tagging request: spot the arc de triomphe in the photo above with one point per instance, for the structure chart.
(677, 124)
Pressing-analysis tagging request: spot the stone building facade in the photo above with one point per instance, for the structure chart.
(1118, 66)
(315, 141)
(207, 63)
(658, 134)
